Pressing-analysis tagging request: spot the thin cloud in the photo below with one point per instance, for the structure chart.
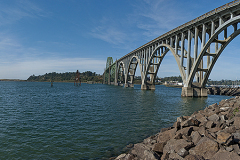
(110, 35)
(108, 31)
(18, 10)
(157, 17)
(22, 70)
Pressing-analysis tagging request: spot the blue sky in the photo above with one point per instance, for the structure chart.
(41, 36)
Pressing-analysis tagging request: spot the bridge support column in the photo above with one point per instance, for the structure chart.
(148, 87)
(194, 92)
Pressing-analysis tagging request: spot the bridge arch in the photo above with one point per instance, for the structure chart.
(214, 39)
(131, 70)
(155, 61)
(120, 74)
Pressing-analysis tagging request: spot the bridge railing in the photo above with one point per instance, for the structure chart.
(210, 13)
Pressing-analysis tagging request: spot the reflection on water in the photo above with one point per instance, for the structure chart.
(85, 122)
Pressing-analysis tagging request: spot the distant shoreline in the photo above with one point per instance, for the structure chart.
(19, 80)
(15, 80)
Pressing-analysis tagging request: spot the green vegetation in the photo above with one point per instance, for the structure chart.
(173, 78)
(66, 77)
(235, 111)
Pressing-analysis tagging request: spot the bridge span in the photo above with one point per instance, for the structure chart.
(195, 45)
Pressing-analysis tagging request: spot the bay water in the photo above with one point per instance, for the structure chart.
(91, 121)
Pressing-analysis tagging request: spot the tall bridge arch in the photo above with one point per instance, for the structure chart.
(195, 45)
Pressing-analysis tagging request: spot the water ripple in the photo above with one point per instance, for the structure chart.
(86, 122)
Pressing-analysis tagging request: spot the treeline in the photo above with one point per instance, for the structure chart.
(66, 77)
(173, 78)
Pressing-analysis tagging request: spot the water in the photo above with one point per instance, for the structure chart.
(85, 122)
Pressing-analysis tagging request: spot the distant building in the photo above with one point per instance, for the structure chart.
(173, 83)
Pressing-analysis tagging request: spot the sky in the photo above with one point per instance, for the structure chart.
(43, 36)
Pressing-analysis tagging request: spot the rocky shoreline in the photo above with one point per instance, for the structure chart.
(224, 91)
(212, 133)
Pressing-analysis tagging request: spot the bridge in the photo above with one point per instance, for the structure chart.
(195, 45)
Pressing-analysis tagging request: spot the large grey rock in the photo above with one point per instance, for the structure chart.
(190, 122)
(195, 137)
(175, 156)
(202, 119)
(213, 117)
(231, 129)
(173, 145)
(236, 136)
(209, 124)
(177, 125)
(224, 155)
(165, 156)
(144, 152)
(167, 135)
(215, 129)
(185, 131)
(194, 157)
(201, 130)
(121, 156)
(182, 152)
(224, 138)
(236, 122)
(206, 148)
(158, 147)
(223, 117)
(224, 108)
(236, 148)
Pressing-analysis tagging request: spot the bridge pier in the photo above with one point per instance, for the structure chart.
(194, 92)
(148, 87)
(119, 84)
(129, 85)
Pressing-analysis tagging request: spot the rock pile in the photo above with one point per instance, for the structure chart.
(212, 133)
(224, 91)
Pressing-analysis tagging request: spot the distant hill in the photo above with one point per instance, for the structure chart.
(66, 77)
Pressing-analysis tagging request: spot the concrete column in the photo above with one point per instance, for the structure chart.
(196, 44)
(203, 36)
(109, 74)
(145, 60)
(116, 74)
(221, 21)
(202, 45)
(182, 49)
(104, 77)
(126, 85)
(176, 45)
(225, 34)
(142, 61)
(235, 27)
(189, 54)
(171, 42)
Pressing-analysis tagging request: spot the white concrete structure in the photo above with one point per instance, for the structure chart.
(196, 46)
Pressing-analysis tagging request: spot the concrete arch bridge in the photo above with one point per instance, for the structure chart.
(195, 45)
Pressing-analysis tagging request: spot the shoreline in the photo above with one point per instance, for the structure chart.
(212, 133)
